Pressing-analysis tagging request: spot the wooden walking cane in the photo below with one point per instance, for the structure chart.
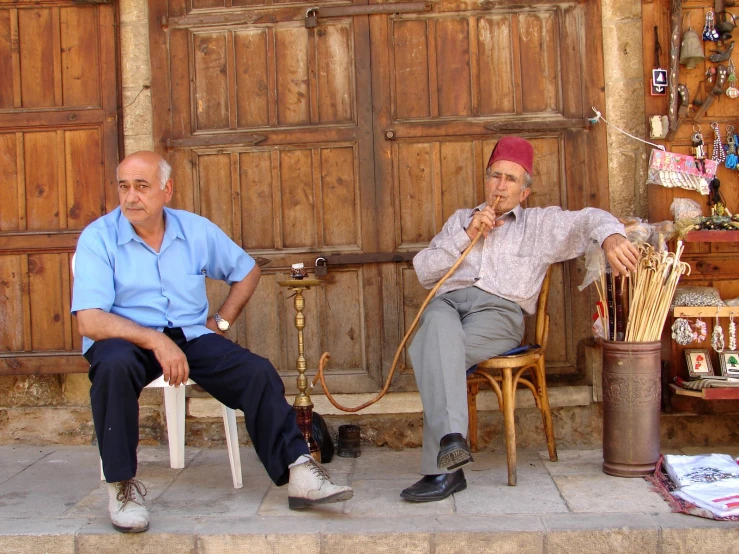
(492, 202)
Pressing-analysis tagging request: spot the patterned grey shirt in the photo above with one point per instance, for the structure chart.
(512, 261)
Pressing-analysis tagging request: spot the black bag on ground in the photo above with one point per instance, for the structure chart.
(323, 438)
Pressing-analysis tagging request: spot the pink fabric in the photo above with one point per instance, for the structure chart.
(514, 149)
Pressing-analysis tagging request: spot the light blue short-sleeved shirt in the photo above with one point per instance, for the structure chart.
(117, 272)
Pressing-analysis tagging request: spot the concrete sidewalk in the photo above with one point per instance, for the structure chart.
(51, 500)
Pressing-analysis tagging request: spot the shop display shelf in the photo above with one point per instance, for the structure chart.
(712, 236)
(707, 394)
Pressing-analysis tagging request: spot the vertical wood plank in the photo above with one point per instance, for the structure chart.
(433, 67)
(415, 180)
(277, 198)
(231, 80)
(340, 215)
(495, 62)
(252, 78)
(457, 176)
(80, 59)
(293, 90)
(211, 80)
(20, 157)
(85, 183)
(26, 301)
(272, 76)
(258, 213)
(36, 47)
(16, 58)
(312, 64)
(517, 68)
(214, 187)
(66, 298)
(335, 71)
(12, 320)
(473, 44)
(42, 181)
(236, 200)
(45, 292)
(538, 44)
(9, 206)
(453, 62)
(411, 70)
(61, 174)
(436, 183)
(57, 53)
(317, 206)
(298, 200)
(6, 60)
(183, 90)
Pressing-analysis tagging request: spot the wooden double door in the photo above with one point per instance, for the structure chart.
(58, 153)
(354, 140)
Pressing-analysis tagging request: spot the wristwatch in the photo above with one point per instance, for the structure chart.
(223, 325)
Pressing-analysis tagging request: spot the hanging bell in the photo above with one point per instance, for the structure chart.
(691, 50)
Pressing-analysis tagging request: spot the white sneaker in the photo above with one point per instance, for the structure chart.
(126, 506)
(310, 484)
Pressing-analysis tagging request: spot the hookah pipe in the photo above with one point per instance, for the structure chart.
(325, 356)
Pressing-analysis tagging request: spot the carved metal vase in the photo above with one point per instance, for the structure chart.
(631, 407)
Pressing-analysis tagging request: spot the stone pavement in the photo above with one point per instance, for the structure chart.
(51, 500)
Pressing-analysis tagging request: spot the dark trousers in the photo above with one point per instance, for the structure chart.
(236, 377)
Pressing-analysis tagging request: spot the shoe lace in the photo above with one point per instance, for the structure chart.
(127, 492)
(318, 469)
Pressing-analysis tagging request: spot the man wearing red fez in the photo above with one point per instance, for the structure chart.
(478, 312)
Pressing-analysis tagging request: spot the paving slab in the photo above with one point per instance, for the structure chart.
(52, 500)
(604, 494)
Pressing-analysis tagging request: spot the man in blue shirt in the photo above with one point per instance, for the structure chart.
(141, 306)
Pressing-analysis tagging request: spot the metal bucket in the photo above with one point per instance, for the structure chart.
(631, 407)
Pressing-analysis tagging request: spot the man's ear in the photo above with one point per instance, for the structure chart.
(168, 189)
(525, 194)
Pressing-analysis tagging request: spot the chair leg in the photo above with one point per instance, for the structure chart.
(472, 390)
(509, 425)
(232, 441)
(546, 412)
(174, 408)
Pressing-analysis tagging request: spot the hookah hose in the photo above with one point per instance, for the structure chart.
(325, 356)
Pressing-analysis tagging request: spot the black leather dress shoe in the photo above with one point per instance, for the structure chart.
(453, 452)
(435, 487)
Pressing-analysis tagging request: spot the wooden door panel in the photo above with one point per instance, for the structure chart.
(439, 79)
(516, 69)
(58, 152)
(270, 137)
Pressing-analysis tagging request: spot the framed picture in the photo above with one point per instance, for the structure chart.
(699, 363)
(729, 360)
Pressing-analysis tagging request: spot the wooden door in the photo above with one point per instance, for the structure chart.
(360, 136)
(268, 127)
(58, 152)
(447, 85)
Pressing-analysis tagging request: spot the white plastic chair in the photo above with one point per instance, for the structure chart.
(174, 409)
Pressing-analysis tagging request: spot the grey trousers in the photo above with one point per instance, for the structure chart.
(458, 330)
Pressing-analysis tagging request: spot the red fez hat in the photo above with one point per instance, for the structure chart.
(514, 149)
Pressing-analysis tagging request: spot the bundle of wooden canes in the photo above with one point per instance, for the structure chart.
(638, 314)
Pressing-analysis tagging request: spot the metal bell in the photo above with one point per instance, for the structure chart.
(691, 50)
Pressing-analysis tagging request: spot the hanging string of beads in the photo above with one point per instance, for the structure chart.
(718, 154)
(732, 332)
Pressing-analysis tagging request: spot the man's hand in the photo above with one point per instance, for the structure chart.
(621, 254)
(172, 359)
(482, 220)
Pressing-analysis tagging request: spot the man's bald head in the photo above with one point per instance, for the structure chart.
(152, 158)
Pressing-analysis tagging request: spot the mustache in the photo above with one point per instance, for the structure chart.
(132, 206)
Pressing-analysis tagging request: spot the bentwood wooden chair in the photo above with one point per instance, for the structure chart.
(504, 373)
